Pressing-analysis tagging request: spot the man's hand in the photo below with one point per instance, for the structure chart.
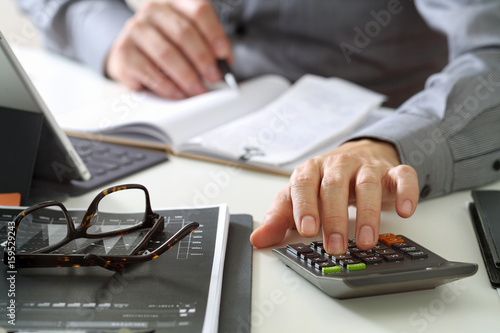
(363, 173)
(168, 47)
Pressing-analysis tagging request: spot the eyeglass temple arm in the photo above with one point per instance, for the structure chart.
(158, 226)
(172, 241)
(176, 238)
(96, 260)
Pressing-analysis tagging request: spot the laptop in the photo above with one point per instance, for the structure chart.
(36, 156)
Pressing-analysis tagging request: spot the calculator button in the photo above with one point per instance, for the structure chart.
(298, 248)
(389, 235)
(408, 249)
(356, 267)
(385, 251)
(312, 261)
(396, 246)
(316, 244)
(391, 240)
(393, 257)
(340, 257)
(320, 265)
(331, 270)
(353, 250)
(372, 260)
(379, 246)
(305, 256)
(417, 255)
(320, 250)
(361, 255)
(347, 262)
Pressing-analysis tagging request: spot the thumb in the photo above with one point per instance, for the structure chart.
(277, 221)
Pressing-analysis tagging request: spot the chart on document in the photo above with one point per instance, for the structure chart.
(166, 294)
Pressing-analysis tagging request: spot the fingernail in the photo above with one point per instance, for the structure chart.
(213, 74)
(406, 207)
(365, 236)
(335, 244)
(308, 226)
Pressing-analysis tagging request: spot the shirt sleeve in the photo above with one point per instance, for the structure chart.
(83, 30)
(450, 131)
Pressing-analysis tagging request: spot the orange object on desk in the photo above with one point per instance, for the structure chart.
(10, 199)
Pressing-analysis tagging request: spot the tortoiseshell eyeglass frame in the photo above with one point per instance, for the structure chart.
(152, 221)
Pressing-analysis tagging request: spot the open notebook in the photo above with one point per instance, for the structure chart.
(270, 124)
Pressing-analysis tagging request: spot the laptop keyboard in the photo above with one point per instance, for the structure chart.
(106, 162)
(102, 159)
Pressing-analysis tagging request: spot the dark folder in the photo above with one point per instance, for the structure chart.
(237, 281)
(485, 216)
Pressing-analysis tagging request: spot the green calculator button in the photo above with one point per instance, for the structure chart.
(356, 267)
(331, 269)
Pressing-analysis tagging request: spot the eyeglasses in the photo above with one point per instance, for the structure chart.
(45, 233)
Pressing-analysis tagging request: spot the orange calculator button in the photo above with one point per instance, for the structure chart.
(391, 240)
(382, 236)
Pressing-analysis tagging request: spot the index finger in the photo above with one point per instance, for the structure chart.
(205, 18)
(304, 187)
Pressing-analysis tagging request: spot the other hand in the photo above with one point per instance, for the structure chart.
(169, 47)
(364, 173)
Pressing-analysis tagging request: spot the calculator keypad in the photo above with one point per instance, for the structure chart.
(389, 249)
(395, 264)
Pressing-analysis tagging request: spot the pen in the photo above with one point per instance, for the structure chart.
(228, 75)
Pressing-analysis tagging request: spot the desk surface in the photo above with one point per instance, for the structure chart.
(283, 301)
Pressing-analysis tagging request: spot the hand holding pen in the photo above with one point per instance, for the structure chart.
(170, 48)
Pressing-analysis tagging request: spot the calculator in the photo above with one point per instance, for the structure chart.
(396, 264)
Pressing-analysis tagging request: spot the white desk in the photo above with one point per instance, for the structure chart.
(283, 301)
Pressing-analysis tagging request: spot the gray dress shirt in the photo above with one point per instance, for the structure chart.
(438, 61)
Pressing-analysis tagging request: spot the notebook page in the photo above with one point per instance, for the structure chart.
(82, 101)
(171, 122)
(312, 112)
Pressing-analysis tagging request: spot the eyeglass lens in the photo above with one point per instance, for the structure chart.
(42, 228)
(130, 203)
(115, 213)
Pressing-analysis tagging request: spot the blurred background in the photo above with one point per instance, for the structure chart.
(18, 29)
